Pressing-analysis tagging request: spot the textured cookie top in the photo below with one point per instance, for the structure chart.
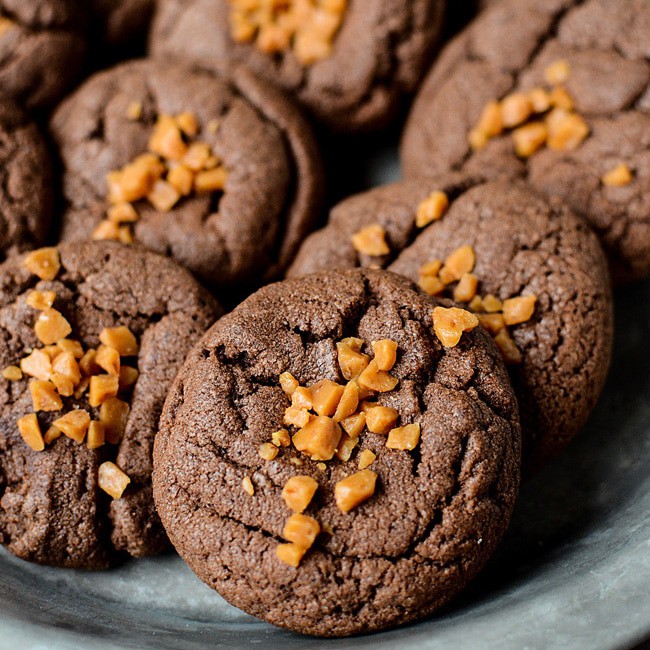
(229, 229)
(521, 246)
(52, 509)
(593, 57)
(34, 34)
(25, 182)
(347, 62)
(433, 512)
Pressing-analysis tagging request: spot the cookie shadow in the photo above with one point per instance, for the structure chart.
(598, 473)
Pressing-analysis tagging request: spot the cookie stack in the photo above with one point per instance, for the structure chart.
(340, 452)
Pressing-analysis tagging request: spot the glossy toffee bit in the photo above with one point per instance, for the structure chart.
(318, 439)
(44, 396)
(301, 530)
(518, 310)
(385, 354)
(134, 111)
(381, 419)
(461, 261)
(121, 339)
(350, 358)
(371, 241)
(354, 424)
(298, 492)
(102, 388)
(348, 402)
(288, 383)
(40, 300)
(112, 479)
(290, 554)
(96, 435)
(405, 438)
(31, 432)
(366, 458)
(466, 288)
(566, 131)
(281, 438)
(51, 435)
(516, 108)
(51, 326)
(493, 323)
(268, 451)
(347, 445)
(529, 139)
(618, 176)
(74, 424)
(44, 263)
(113, 414)
(12, 373)
(450, 323)
(108, 359)
(247, 485)
(431, 209)
(557, 73)
(509, 350)
(378, 380)
(540, 100)
(326, 396)
(352, 491)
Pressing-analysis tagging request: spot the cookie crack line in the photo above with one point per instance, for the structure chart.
(410, 554)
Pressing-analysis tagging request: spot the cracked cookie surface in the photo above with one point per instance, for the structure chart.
(25, 182)
(248, 231)
(437, 512)
(41, 49)
(523, 244)
(507, 49)
(377, 56)
(51, 509)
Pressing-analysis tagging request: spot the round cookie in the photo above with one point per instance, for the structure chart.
(348, 63)
(59, 501)
(592, 149)
(122, 22)
(406, 518)
(41, 49)
(25, 182)
(253, 175)
(522, 245)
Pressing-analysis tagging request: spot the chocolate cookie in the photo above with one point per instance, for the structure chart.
(41, 49)
(348, 63)
(332, 398)
(122, 22)
(562, 88)
(92, 337)
(211, 168)
(533, 272)
(25, 182)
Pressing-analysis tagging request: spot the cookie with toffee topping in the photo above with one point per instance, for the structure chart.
(92, 339)
(347, 61)
(396, 459)
(560, 92)
(209, 167)
(532, 271)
